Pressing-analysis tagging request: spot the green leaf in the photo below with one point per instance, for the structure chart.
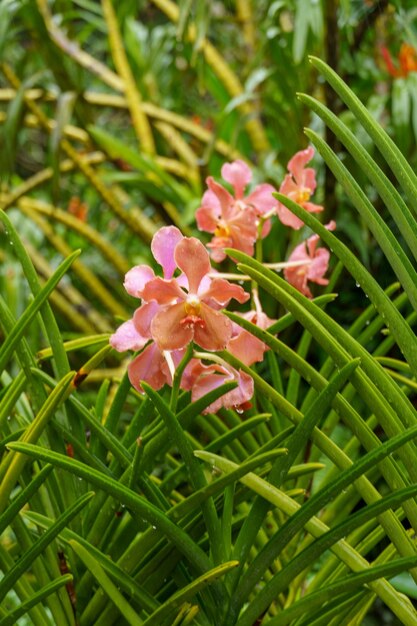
(106, 584)
(15, 614)
(20, 567)
(188, 592)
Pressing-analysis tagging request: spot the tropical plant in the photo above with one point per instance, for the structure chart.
(142, 506)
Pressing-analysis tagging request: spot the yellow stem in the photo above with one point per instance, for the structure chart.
(93, 284)
(120, 102)
(142, 226)
(245, 17)
(43, 176)
(86, 231)
(134, 98)
(225, 74)
(72, 49)
(69, 300)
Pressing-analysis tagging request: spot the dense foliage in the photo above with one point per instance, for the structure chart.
(131, 502)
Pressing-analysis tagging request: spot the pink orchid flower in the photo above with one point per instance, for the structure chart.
(245, 346)
(185, 313)
(234, 219)
(316, 262)
(162, 247)
(299, 185)
(202, 379)
(128, 336)
(151, 366)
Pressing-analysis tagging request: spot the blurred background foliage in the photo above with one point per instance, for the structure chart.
(113, 114)
(130, 108)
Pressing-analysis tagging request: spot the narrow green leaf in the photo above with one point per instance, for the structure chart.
(348, 584)
(24, 496)
(392, 199)
(106, 584)
(391, 153)
(51, 326)
(136, 503)
(14, 615)
(20, 567)
(26, 318)
(188, 592)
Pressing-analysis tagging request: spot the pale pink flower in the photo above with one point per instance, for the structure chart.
(185, 313)
(128, 336)
(201, 379)
(152, 367)
(234, 219)
(245, 346)
(298, 185)
(316, 261)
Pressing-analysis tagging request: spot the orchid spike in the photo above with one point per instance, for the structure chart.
(298, 185)
(186, 313)
(234, 220)
(316, 262)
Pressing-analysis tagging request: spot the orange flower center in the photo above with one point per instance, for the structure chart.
(222, 230)
(192, 309)
(302, 195)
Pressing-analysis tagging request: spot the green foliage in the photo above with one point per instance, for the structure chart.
(303, 509)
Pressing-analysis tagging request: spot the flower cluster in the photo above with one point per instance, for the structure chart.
(185, 305)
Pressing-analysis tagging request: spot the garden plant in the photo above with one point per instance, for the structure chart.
(208, 303)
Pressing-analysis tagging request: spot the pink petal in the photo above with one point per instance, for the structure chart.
(208, 215)
(192, 258)
(287, 218)
(150, 367)
(319, 266)
(311, 244)
(299, 161)
(215, 331)
(222, 195)
(247, 348)
(163, 246)
(212, 377)
(217, 245)
(288, 187)
(163, 291)
(312, 208)
(297, 277)
(308, 179)
(127, 337)
(222, 292)
(262, 199)
(238, 174)
(136, 279)
(167, 329)
(143, 317)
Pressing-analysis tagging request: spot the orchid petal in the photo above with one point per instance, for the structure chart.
(136, 279)
(143, 317)
(216, 330)
(238, 174)
(163, 246)
(222, 195)
(222, 291)
(208, 215)
(163, 291)
(298, 162)
(247, 348)
(193, 259)
(262, 199)
(148, 366)
(287, 218)
(127, 337)
(167, 330)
